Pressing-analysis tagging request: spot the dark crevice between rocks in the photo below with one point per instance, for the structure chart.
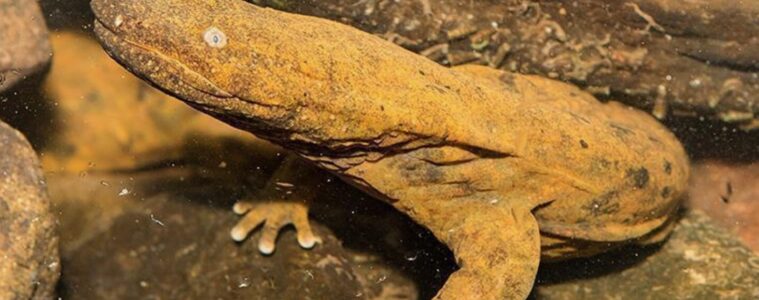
(26, 108)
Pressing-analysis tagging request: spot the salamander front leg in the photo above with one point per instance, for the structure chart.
(498, 252)
(284, 201)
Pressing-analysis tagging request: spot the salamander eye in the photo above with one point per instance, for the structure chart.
(215, 37)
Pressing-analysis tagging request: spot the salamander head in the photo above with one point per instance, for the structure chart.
(186, 48)
(242, 64)
(299, 81)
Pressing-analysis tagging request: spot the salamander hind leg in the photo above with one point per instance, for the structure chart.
(498, 252)
(284, 201)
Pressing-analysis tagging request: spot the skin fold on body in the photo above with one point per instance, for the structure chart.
(505, 169)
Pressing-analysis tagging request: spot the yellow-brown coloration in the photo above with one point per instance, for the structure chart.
(498, 166)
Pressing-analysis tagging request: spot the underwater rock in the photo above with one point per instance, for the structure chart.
(29, 265)
(668, 56)
(24, 48)
(171, 238)
(176, 245)
(699, 261)
(729, 194)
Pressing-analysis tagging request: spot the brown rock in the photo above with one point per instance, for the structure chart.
(29, 266)
(24, 48)
(729, 194)
(699, 261)
(174, 245)
(173, 242)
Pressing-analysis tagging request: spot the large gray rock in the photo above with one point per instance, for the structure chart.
(29, 265)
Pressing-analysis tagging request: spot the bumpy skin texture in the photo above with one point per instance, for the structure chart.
(24, 47)
(500, 167)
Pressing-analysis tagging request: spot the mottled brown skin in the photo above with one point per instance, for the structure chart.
(502, 168)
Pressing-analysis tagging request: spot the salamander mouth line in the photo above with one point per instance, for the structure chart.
(120, 43)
